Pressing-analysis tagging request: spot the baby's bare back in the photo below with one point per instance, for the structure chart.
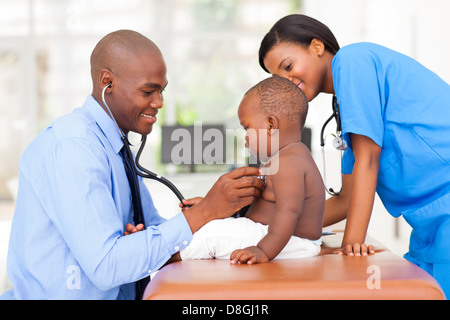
(309, 223)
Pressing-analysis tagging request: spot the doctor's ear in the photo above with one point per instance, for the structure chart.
(106, 79)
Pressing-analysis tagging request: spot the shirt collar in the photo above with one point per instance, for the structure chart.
(105, 122)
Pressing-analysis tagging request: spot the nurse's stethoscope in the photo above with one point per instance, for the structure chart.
(141, 171)
(338, 141)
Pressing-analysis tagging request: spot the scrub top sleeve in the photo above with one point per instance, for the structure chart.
(358, 93)
(347, 162)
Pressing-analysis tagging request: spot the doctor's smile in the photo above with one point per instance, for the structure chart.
(152, 118)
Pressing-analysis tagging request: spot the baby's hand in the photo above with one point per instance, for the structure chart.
(189, 203)
(248, 255)
(129, 228)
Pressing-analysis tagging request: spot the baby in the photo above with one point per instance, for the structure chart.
(286, 221)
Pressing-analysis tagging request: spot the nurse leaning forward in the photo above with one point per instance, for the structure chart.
(395, 116)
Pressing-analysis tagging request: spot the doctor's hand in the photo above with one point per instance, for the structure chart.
(232, 191)
(355, 249)
(129, 229)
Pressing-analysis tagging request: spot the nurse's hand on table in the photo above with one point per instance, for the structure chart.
(357, 249)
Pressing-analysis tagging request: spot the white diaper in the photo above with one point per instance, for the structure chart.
(219, 238)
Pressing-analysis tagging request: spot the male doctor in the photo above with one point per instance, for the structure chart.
(74, 199)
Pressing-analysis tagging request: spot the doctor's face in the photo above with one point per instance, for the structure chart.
(137, 93)
(299, 64)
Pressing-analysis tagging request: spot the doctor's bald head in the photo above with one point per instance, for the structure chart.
(129, 72)
(119, 52)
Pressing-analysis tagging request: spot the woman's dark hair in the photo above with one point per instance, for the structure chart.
(298, 29)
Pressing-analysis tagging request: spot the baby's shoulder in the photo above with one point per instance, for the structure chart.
(292, 157)
(295, 153)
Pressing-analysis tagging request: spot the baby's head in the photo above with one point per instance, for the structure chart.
(276, 104)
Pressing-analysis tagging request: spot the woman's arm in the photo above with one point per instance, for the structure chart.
(336, 207)
(362, 194)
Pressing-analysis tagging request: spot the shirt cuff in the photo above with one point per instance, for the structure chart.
(176, 233)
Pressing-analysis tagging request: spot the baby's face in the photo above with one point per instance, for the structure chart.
(253, 120)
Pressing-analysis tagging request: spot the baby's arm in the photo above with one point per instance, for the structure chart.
(289, 191)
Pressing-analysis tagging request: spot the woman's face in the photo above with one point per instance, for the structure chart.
(303, 66)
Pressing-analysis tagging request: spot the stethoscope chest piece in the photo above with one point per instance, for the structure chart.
(338, 141)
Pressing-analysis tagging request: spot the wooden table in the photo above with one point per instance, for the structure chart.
(327, 276)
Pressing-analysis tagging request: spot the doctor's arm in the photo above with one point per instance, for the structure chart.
(232, 191)
(362, 194)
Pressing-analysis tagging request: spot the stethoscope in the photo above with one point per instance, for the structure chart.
(143, 172)
(338, 141)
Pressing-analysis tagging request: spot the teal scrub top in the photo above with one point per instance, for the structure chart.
(405, 109)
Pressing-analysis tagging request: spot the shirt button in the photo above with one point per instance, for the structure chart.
(149, 271)
(177, 248)
(185, 243)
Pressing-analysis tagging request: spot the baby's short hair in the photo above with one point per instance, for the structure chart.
(283, 98)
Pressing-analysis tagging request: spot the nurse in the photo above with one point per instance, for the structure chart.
(395, 116)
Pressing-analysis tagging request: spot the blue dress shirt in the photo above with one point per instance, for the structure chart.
(73, 203)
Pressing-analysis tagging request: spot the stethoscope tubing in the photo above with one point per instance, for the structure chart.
(137, 167)
(342, 145)
(145, 173)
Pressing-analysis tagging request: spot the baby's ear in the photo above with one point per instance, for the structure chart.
(272, 124)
